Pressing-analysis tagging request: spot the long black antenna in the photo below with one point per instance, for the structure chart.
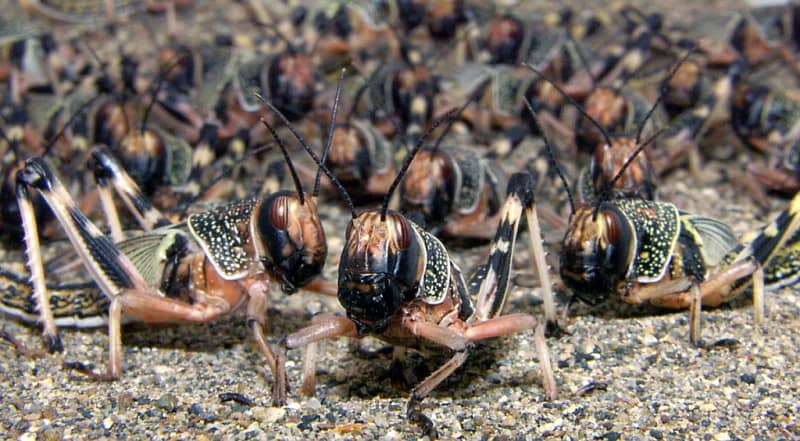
(69, 122)
(161, 75)
(606, 191)
(571, 100)
(551, 156)
(407, 162)
(633, 156)
(313, 155)
(329, 140)
(672, 73)
(360, 92)
(473, 96)
(297, 185)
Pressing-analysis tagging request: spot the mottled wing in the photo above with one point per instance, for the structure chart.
(148, 252)
(217, 72)
(714, 238)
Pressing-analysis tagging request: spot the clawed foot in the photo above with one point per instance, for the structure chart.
(553, 329)
(54, 343)
(88, 370)
(415, 415)
(280, 386)
(725, 343)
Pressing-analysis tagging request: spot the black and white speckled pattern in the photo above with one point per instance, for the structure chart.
(436, 279)
(655, 385)
(378, 147)
(656, 225)
(217, 233)
(471, 170)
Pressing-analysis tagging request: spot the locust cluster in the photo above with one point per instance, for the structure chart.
(437, 124)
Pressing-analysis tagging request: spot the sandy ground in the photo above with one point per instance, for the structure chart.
(650, 382)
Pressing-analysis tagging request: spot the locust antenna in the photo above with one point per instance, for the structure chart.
(478, 91)
(650, 112)
(311, 153)
(329, 140)
(360, 92)
(154, 96)
(407, 161)
(605, 192)
(552, 157)
(297, 185)
(69, 122)
(571, 100)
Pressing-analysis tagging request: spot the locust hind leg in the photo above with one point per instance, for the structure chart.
(490, 281)
(36, 268)
(114, 273)
(108, 171)
(720, 287)
(108, 267)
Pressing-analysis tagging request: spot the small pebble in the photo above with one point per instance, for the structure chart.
(195, 409)
(649, 340)
(313, 404)
(168, 402)
(124, 401)
(51, 434)
(707, 407)
(274, 414)
(210, 417)
(748, 378)
(549, 428)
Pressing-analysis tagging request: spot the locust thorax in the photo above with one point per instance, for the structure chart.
(413, 90)
(682, 90)
(755, 111)
(608, 108)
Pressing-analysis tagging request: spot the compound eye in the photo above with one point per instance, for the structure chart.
(401, 231)
(613, 227)
(279, 212)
